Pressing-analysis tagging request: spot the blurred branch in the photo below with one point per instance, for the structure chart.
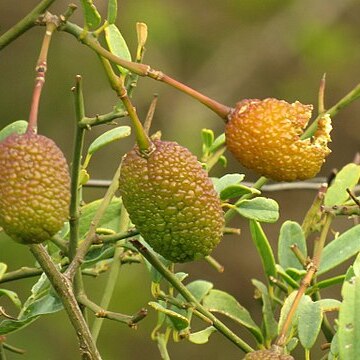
(297, 185)
(24, 24)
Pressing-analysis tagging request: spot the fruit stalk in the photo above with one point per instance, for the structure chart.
(145, 70)
(63, 287)
(40, 69)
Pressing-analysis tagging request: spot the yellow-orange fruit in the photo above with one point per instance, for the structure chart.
(264, 135)
(34, 188)
(172, 201)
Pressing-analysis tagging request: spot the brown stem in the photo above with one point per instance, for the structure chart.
(63, 287)
(40, 69)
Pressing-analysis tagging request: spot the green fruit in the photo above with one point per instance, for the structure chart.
(172, 201)
(34, 188)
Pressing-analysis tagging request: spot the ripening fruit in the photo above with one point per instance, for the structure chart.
(172, 201)
(34, 188)
(275, 353)
(264, 135)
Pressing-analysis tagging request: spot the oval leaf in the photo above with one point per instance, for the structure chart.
(227, 180)
(47, 304)
(109, 220)
(117, 45)
(112, 11)
(201, 337)
(329, 304)
(290, 234)
(223, 303)
(18, 127)
(218, 142)
(109, 137)
(236, 191)
(341, 249)
(349, 320)
(91, 15)
(346, 178)
(264, 248)
(259, 209)
(270, 323)
(310, 319)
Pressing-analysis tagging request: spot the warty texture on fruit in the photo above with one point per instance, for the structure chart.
(171, 201)
(264, 135)
(34, 187)
(275, 353)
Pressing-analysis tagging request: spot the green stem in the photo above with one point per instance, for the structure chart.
(113, 276)
(345, 101)
(101, 313)
(119, 236)
(258, 185)
(24, 24)
(2, 352)
(63, 287)
(102, 119)
(75, 170)
(188, 296)
(91, 235)
(75, 188)
(117, 84)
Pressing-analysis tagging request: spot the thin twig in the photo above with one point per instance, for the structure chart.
(24, 24)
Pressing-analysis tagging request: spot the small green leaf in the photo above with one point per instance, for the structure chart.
(109, 220)
(207, 137)
(97, 254)
(286, 277)
(47, 304)
(3, 268)
(264, 248)
(310, 319)
(181, 276)
(202, 337)
(112, 11)
(91, 14)
(334, 348)
(117, 45)
(109, 137)
(270, 323)
(18, 127)
(329, 304)
(346, 178)
(259, 209)
(341, 249)
(349, 320)
(227, 180)
(218, 142)
(13, 296)
(237, 190)
(223, 303)
(179, 322)
(290, 234)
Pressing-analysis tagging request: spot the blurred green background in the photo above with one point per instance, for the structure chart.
(230, 50)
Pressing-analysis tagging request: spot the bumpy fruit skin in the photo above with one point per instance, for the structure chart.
(172, 202)
(34, 188)
(264, 135)
(275, 353)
